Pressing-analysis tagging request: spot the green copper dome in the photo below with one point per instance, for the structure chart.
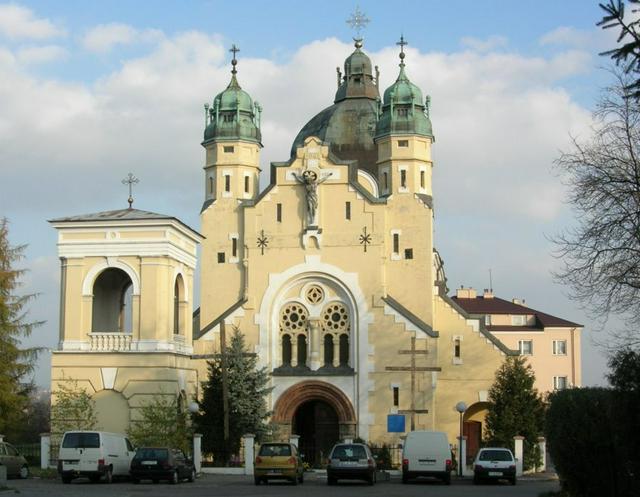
(233, 115)
(403, 110)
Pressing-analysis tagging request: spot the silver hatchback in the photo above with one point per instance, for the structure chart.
(351, 461)
(15, 463)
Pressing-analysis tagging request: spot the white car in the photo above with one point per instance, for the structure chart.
(94, 454)
(494, 463)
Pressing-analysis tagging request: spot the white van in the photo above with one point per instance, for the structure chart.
(426, 453)
(94, 454)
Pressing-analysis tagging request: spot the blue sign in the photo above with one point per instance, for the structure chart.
(395, 423)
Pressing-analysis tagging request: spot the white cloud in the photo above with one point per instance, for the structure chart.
(486, 45)
(41, 54)
(17, 22)
(104, 37)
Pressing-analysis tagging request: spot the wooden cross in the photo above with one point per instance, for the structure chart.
(413, 369)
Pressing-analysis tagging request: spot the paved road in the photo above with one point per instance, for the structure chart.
(314, 486)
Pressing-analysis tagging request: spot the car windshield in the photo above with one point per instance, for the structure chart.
(81, 441)
(275, 450)
(495, 455)
(154, 454)
(349, 452)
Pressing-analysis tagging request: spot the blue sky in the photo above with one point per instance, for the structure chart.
(90, 91)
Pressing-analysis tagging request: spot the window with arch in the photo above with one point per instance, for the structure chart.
(112, 302)
(336, 325)
(179, 306)
(293, 334)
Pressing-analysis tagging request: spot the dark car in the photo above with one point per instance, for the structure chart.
(351, 462)
(15, 463)
(161, 463)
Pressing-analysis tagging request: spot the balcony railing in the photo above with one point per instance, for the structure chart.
(108, 342)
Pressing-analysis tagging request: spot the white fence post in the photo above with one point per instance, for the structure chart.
(248, 453)
(542, 445)
(197, 451)
(45, 450)
(519, 446)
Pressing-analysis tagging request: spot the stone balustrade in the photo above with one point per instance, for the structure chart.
(108, 342)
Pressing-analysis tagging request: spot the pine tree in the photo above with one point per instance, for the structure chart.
(515, 408)
(247, 389)
(16, 361)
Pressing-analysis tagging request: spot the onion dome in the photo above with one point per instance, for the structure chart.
(403, 110)
(233, 115)
(348, 126)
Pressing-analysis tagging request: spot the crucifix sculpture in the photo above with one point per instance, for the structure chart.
(413, 369)
(311, 181)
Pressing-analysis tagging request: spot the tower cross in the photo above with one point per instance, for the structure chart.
(358, 20)
(234, 50)
(413, 369)
(402, 44)
(130, 180)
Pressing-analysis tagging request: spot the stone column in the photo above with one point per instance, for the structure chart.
(336, 350)
(542, 445)
(249, 455)
(45, 450)
(314, 344)
(294, 351)
(294, 440)
(197, 451)
(519, 446)
(462, 455)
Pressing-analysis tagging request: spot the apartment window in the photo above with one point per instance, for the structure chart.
(396, 396)
(210, 184)
(456, 348)
(396, 243)
(408, 253)
(347, 210)
(403, 143)
(246, 184)
(228, 149)
(279, 213)
(220, 257)
(234, 247)
(422, 176)
(560, 382)
(559, 347)
(227, 183)
(518, 320)
(385, 180)
(403, 178)
(525, 347)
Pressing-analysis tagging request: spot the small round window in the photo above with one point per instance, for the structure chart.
(314, 294)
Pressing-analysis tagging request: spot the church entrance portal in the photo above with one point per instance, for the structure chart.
(316, 422)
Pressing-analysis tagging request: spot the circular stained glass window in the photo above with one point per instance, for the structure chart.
(293, 317)
(335, 317)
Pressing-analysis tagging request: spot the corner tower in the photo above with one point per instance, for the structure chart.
(232, 141)
(404, 137)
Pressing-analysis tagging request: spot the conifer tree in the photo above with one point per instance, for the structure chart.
(515, 408)
(16, 361)
(247, 389)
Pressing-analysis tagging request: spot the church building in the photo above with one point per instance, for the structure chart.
(330, 272)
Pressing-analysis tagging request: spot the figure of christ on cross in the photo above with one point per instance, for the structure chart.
(413, 369)
(311, 181)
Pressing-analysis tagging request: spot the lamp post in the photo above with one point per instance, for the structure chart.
(461, 407)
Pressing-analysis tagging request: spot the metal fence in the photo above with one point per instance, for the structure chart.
(31, 452)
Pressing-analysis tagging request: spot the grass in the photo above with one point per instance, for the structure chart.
(45, 474)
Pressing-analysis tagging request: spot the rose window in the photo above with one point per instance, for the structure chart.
(335, 317)
(293, 318)
(314, 294)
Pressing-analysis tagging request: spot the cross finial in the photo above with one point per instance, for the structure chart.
(234, 62)
(358, 21)
(402, 44)
(130, 180)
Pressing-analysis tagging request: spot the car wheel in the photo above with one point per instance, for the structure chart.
(447, 479)
(174, 478)
(192, 475)
(108, 476)
(476, 480)
(294, 480)
(94, 479)
(405, 479)
(66, 479)
(24, 472)
(155, 480)
(513, 481)
(301, 479)
(331, 481)
(135, 480)
(256, 480)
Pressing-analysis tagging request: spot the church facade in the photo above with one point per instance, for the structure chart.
(330, 272)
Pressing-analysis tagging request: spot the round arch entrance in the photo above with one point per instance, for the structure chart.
(320, 413)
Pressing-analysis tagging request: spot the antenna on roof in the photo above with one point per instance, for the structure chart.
(490, 281)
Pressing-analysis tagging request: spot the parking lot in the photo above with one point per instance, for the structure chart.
(315, 485)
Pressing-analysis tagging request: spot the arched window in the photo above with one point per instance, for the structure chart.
(112, 297)
(179, 306)
(286, 350)
(302, 350)
(328, 350)
(344, 350)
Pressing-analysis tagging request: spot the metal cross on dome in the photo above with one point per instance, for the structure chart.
(130, 180)
(358, 20)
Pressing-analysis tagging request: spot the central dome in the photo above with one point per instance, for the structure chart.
(349, 125)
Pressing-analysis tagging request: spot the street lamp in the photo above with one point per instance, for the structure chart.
(194, 407)
(460, 407)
